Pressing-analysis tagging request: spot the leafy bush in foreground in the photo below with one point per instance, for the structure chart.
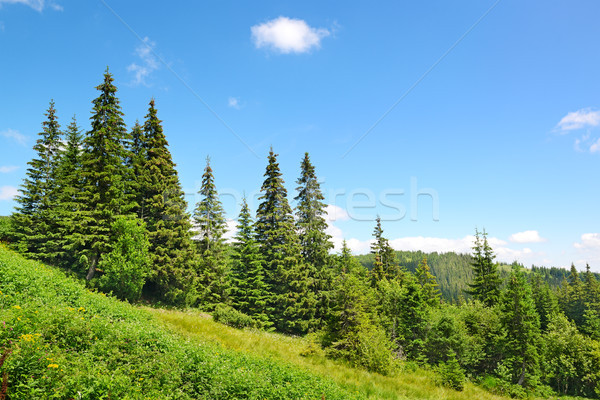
(67, 342)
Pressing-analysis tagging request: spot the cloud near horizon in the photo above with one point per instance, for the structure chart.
(526, 237)
(287, 35)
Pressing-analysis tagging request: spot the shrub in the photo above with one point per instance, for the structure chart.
(451, 374)
(230, 316)
(5, 229)
(125, 268)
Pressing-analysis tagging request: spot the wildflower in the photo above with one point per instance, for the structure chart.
(52, 365)
(17, 307)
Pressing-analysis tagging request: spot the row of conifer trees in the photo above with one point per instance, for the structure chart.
(108, 206)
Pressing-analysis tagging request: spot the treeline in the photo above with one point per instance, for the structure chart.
(107, 205)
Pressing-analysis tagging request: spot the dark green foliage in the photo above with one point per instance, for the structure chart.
(125, 268)
(210, 224)
(546, 302)
(521, 324)
(293, 302)
(451, 374)
(385, 265)
(136, 163)
(69, 199)
(429, 285)
(174, 273)
(230, 316)
(35, 220)
(6, 229)
(314, 241)
(486, 280)
(249, 292)
(104, 173)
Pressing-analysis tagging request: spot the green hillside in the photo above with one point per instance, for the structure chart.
(63, 342)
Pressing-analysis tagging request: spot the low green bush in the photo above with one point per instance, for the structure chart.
(230, 316)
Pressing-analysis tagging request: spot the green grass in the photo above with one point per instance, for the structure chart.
(69, 343)
(419, 384)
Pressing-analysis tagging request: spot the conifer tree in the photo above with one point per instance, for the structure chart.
(136, 164)
(574, 301)
(428, 282)
(546, 303)
(174, 273)
(521, 323)
(314, 241)
(210, 224)
(292, 300)
(385, 265)
(69, 204)
(249, 291)
(486, 280)
(105, 174)
(35, 218)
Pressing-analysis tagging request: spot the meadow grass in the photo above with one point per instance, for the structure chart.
(405, 384)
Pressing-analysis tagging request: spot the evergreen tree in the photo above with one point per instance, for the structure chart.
(574, 297)
(486, 280)
(210, 224)
(546, 303)
(314, 241)
(521, 323)
(35, 219)
(249, 292)
(428, 282)
(385, 265)
(174, 273)
(293, 302)
(104, 174)
(69, 205)
(136, 164)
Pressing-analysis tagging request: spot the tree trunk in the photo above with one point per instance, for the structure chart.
(92, 269)
(522, 377)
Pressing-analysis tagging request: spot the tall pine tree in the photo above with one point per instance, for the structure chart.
(249, 291)
(385, 265)
(35, 217)
(105, 174)
(486, 280)
(428, 282)
(293, 302)
(174, 274)
(210, 225)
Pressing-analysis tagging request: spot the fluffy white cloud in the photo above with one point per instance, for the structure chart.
(288, 35)
(526, 237)
(233, 102)
(595, 147)
(7, 169)
(8, 192)
(579, 119)
(149, 63)
(231, 230)
(589, 241)
(14, 135)
(37, 5)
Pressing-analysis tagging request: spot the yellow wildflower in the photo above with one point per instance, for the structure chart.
(52, 365)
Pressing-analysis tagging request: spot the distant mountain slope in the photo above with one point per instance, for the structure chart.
(453, 271)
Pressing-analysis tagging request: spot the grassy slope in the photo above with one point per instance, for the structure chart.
(69, 343)
(405, 385)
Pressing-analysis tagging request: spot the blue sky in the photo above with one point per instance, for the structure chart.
(439, 116)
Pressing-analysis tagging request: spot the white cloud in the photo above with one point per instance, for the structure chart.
(595, 147)
(231, 230)
(589, 241)
(7, 169)
(579, 119)
(233, 102)
(15, 135)
(149, 63)
(37, 5)
(526, 237)
(8, 192)
(288, 35)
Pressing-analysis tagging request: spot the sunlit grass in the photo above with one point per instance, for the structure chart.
(419, 384)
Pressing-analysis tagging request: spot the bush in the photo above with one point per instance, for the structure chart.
(451, 374)
(5, 229)
(230, 316)
(126, 267)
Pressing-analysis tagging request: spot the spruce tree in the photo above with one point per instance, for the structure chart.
(486, 280)
(428, 282)
(385, 265)
(174, 270)
(69, 205)
(249, 291)
(210, 223)
(521, 324)
(293, 302)
(35, 217)
(136, 164)
(105, 174)
(314, 240)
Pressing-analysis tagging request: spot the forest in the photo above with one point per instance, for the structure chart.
(105, 205)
